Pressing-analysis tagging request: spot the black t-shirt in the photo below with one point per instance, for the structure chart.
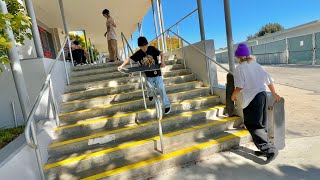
(148, 58)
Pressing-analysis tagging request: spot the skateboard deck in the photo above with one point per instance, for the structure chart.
(140, 69)
(277, 123)
(229, 90)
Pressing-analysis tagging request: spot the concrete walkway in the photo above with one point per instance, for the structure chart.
(300, 86)
(299, 160)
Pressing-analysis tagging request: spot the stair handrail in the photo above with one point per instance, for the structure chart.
(30, 128)
(157, 101)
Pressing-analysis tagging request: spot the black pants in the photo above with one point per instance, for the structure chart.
(255, 119)
(78, 56)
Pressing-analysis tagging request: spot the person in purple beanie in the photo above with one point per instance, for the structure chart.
(251, 79)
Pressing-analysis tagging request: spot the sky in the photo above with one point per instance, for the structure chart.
(247, 17)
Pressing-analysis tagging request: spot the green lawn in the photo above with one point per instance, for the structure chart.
(8, 135)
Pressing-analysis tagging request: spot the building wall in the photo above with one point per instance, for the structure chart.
(35, 72)
(8, 95)
(298, 45)
(197, 62)
(293, 32)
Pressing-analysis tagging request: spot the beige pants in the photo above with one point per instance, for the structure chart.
(113, 49)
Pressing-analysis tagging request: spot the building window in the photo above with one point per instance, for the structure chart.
(47, 43)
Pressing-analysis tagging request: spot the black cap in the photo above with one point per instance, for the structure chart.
(142, 41)
(76, 42)
(106, 11)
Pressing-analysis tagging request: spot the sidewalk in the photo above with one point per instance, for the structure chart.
(299, 160)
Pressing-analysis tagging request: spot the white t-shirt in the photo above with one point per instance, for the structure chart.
(252, 78)
(111, 33)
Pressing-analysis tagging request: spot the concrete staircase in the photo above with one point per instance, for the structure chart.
(106, 133)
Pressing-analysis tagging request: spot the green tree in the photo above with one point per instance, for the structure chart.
(20, 24)
(81, 39)
(169, 40)
(266, 29)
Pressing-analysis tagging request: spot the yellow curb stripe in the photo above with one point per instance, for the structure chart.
(112, 95)
(100, 97)
(77, 92)
(74, 78)
(119, 104)
(120, 130)
(132, 144)
(123, 115)
(167, 156)
(100, 119)
(121, 78)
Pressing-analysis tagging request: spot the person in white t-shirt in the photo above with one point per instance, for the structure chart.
(111, 36)
(251, 79)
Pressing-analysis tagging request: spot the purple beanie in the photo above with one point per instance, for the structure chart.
(242, 50)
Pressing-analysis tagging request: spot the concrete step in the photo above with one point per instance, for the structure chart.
(96, 77)
(117, 98)
(120, 165)
(88, 72)
(109, 69)
(128, 119)
(114, 75)
(84, 140)
(111, 109)
(116, 64)
(96, 66)
(122, 89)
(121, 81)
(141, 113)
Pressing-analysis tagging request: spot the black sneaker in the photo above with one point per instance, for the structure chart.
(167, 110)
(150, 98)
(271, 156)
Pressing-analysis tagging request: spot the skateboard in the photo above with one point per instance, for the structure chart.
(140, 69)
(277, 123)
(230, 107)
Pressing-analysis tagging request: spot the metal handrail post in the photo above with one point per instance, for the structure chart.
(91, 51)
(70, 50)
(170, 41)
(178, 32)
(37, 149)
(159, 116)
(143, 94)
(87, 46)
(14, 113)
(65, 67)
(128, 46)
(55, 109)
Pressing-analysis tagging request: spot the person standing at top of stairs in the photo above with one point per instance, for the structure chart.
(146, 56)
(250, 78)
(111, 36)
